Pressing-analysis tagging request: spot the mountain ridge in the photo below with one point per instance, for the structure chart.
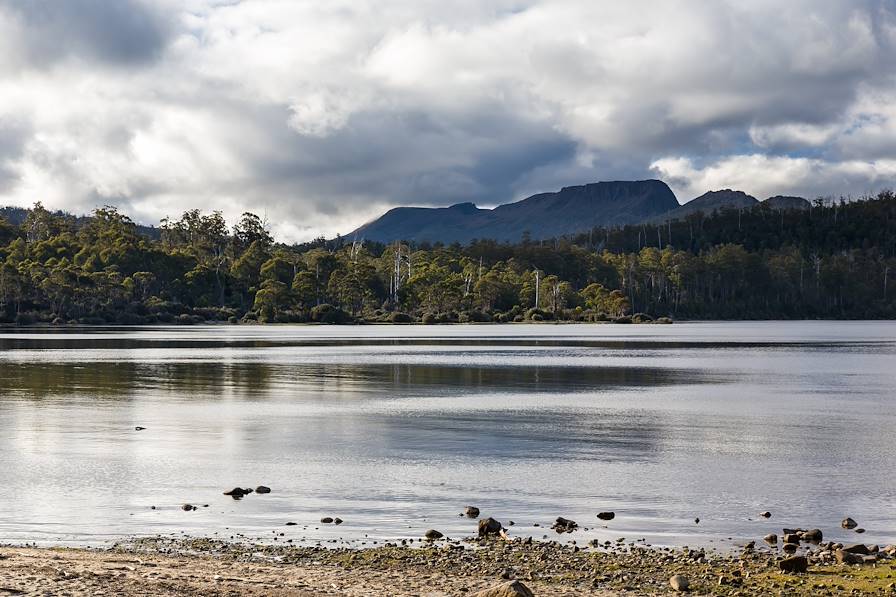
(543, 215)
(571, 210)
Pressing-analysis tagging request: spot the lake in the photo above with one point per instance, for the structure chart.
(395, 429)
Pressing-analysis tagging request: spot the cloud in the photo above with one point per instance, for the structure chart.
(323, 114)
(124, 32)
(763, 176)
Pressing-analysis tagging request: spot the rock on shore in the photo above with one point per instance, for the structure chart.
(490, 527)
(795, 564)
(679, 583)
(513, 588)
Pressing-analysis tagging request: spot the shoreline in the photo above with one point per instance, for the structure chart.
(159, 566)
(563, 322)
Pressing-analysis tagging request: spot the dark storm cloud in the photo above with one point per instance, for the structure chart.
(414, 158)
(112, 31)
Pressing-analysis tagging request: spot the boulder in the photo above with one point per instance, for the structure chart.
(790, 548)
(262, 489)
(433, 534)
(859, 548)
(337, 521)
(771, 539)
(471, 512)
(489, 526)
(188, 507)
(564, 525)
(513, 588)
(606, 515)
(846, 557)
(326, 520)
(795, 564)
(813, 535)
(792, 538)
(679, 583)
(237, 492)
(849, 523)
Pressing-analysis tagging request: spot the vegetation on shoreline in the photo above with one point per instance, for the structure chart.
(832, 261)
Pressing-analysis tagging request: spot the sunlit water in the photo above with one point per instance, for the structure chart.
(396, 429)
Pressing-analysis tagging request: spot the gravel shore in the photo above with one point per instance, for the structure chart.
(157, 566)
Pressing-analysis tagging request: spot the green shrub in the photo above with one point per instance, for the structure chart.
(399, 317)
(25, 319)
(327, 313)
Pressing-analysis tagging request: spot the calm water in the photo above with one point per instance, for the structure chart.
(396, 429)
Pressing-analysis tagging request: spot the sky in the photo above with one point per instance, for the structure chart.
(321, 115)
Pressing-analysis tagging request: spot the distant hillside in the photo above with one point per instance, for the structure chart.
(708, 203)
(784, 202)
(546, 215)
(16, 216)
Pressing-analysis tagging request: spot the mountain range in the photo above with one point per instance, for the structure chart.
(548, 215)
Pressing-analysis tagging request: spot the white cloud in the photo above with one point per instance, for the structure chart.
(763, 176)
(321, 114)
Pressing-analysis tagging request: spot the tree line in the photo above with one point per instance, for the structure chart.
(834, 260)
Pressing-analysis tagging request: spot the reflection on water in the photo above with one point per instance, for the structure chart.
(396, 429)
(259, 380)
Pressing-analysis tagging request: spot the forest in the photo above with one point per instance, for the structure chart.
(833, 261)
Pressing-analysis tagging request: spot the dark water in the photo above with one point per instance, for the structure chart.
(396, 429)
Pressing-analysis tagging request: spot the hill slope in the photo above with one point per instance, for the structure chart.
(546, 215)
(785, 202)
(708, 203)
(17, 215)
